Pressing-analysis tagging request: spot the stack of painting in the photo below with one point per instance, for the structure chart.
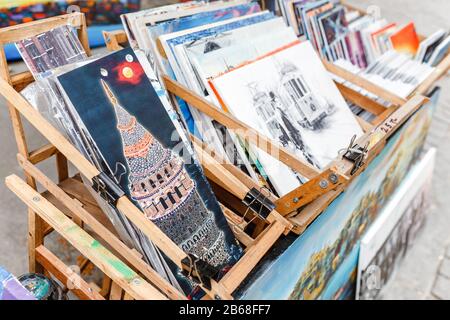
(389, 54)
(252, 66)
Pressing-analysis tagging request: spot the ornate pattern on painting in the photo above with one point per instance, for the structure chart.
(160, 184)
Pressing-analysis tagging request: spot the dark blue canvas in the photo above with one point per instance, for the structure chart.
(130, 126)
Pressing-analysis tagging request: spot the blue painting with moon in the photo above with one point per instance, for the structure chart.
(131, 129)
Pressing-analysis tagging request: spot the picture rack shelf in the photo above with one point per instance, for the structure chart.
(305, 203)
(67, 207)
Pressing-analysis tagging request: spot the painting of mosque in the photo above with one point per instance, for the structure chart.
(149, 157)
(322, 262)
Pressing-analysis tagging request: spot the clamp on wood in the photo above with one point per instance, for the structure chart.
(107, 188)
(259, 203)
(356, 154)
(199, 270)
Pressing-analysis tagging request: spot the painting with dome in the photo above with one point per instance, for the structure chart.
(288, 95)
(148, 155)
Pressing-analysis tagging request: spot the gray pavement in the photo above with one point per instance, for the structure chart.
(420, 275)
(424, 274)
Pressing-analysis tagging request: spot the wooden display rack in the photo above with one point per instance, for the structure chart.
(67, 207)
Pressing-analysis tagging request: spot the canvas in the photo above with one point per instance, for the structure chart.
(289, 96)
(169, 41)
(209, 133)
(132, 131)
(192, 21)
(214, 55)
(52, 49)
(333, 29)
(388, 239)
(320, 263)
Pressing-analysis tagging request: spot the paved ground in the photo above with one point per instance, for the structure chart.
(425, 272)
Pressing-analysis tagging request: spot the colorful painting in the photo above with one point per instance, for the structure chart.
(389, 238)
(150, 157)
(406, 40)
(311, 266)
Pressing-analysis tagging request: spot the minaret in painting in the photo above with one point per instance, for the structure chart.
(160, 184)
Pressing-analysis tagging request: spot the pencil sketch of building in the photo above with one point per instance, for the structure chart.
(273, 115)
(304, 106)
(51, 49)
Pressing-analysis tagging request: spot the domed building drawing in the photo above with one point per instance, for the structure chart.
(160, 184)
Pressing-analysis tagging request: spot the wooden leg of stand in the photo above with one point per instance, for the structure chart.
(35, 239)
(35, 223)
(62, 167)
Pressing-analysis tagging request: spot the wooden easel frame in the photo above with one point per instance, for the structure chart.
(45, 216)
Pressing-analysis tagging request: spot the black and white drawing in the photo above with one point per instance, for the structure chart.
(289, 96)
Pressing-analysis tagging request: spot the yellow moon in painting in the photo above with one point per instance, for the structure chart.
(127, 72)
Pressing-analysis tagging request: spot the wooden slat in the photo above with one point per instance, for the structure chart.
(84, 243)
(363, 83)
(253, 255)
(366, 126)
(42, 153)
(65, 275)
(116, 292)
(21, 80)
(115, 39)
(98, 227)
(280, 153)
(237, 225)
(31, 29)
(309, 191)
(360, 100)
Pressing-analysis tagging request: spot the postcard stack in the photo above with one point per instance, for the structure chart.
(388, 54)
(248, 63)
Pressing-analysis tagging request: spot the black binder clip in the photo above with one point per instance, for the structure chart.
(259, 203)
(107, 188)
(356, 154)
(199, 270)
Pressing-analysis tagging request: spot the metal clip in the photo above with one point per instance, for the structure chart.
(259, 203)
(356, 154)
(107, 188)
(199, 270)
